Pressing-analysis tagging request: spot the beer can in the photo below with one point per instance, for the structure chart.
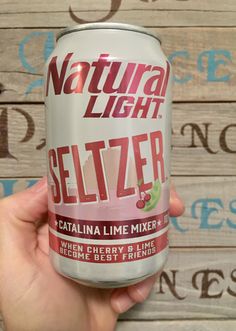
(108, 118)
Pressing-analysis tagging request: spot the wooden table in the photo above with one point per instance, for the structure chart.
(197, 290)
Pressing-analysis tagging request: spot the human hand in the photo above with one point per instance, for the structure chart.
(33, 297)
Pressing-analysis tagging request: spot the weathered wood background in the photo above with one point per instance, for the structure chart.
(197, 290)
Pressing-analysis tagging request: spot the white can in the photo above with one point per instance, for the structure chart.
(108, 107)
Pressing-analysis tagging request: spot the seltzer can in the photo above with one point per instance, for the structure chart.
(108, 115)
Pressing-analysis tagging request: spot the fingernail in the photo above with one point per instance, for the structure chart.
(124, 302)
(40, 185)
(174, 195)
(175, 199)
(177, 207)
(143, 289)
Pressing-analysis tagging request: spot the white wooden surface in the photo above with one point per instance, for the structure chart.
(203, 325)
(9, 6)
(195, 53)
(158, 13)
(203, 287)
(212, 155)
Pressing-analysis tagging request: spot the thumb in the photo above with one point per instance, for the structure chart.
(176, 204)
(19, 215)
(27, 206)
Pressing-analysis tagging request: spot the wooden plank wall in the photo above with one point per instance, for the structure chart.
(197, 290)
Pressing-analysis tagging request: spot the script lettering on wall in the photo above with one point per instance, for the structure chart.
(206, 284)
(4, 135)
(114, 7)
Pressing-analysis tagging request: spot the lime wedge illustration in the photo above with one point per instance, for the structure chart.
(155, 196)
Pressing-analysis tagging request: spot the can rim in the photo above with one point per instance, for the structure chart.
(107, 25)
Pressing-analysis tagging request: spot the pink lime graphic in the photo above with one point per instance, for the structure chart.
(149, 201)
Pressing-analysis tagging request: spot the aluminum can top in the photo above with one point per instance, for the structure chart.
(104, 26)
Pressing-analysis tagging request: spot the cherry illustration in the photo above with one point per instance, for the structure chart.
(143, 196)
(140, 204)
(147, 197)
